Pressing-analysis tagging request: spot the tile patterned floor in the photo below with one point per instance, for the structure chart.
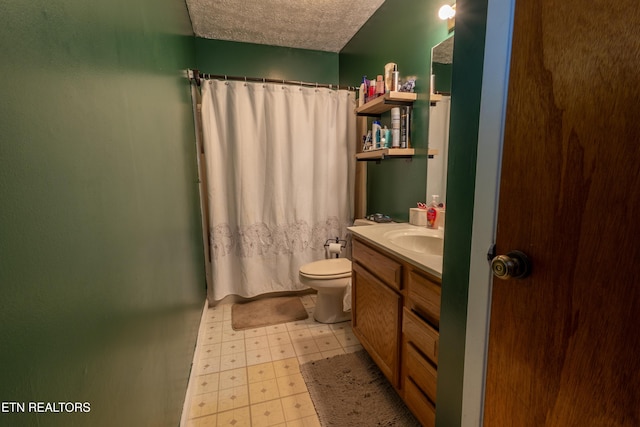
(252, 377)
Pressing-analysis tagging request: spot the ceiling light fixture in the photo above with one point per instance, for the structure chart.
(447, 12)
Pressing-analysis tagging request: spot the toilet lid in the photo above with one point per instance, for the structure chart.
(340, 267)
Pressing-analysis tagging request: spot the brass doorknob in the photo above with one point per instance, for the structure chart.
(514, 264)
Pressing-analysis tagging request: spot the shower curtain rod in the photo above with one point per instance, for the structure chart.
(197, 76)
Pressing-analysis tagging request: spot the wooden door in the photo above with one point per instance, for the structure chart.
(564, 343)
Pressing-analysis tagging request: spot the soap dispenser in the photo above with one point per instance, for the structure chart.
(432, 212)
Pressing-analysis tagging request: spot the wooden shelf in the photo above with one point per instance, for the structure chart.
(384, 153)
(386, 102)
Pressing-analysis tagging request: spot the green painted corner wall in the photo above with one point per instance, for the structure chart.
(403, 32)
(262, 61)
(101, 264)
(468, 54)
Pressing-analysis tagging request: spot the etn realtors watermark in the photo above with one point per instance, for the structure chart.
(43, 407)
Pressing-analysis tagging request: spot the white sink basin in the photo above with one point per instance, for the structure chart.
(420, 240)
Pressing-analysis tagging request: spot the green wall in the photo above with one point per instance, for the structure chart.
(468, 58)
(272, 62)
(101, 265)
(403, 32)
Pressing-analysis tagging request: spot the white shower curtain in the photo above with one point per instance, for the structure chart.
(280, 173)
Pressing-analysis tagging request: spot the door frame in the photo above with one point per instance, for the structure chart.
(495, 81)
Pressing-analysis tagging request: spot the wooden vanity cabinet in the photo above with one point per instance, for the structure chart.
(396, 316)
(377, 307)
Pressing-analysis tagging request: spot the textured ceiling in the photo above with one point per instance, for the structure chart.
(325, 25)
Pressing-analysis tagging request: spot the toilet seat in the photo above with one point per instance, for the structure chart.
(327, 269)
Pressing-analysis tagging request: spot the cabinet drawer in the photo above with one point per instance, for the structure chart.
(420, 371)
(424, 297)
(386, 269)
(421, 407)
(421, 334)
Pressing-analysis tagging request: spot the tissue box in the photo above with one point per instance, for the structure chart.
(418, 216)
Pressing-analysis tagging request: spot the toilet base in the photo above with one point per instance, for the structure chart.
(328, 307)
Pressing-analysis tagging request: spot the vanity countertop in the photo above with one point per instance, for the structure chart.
(382, 236)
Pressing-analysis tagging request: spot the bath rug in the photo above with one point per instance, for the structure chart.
(350, 390)
(266, 312)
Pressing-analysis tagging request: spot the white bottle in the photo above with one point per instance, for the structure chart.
(375, 131)
(395, 127)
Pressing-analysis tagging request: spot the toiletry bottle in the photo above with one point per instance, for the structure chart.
(387, 137)
(379, 85)
(365, 83)
(395, 77)
(405, 127)
(388, 76)
(440, 216)
(375, 131)
(432, 212)
(395, 127)
(371, 92)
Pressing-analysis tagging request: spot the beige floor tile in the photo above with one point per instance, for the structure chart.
(233, 385)
(232, 361)
(233, 398)
(320, 331)
(279, 339)
(203, 404)
(299, 324)
(233, 378)
(206, 351)
(213, 336)
(261, 372)
(263, 391)
(208, 366)
(300, 334)
(235, 418)
(291, 384)
(306, 358)
(259, 356)
(328, 342)
(258, 332)
(284, 351)
(231, 347)
(304, 347)
(208, 421)
(311, 421)
(346, 339)
(267, 414)
(297, 406)
(229, 334)
(286, 367)
(255, 343)
(276, 329)
(214, 315)
(206, 383)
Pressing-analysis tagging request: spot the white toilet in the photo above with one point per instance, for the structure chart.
(330, 277)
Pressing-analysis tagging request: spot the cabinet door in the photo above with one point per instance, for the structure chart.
(376, 320)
